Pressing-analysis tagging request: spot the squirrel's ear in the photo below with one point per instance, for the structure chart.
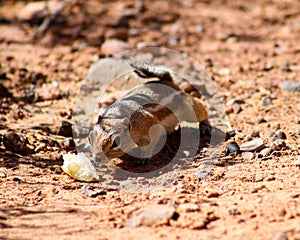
(99, 119)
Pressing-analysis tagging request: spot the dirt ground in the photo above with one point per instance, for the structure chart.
(249, 48)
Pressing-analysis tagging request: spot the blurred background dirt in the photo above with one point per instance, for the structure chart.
(250, 49)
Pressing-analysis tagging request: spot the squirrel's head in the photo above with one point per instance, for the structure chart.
(111, 137)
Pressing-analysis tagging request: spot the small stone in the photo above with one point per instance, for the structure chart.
(118, 33)
(66, 129)
(3, 75)
(41, 147)
(4, 92)
(204, 174)
(254, 145)
(2, 175)
(92, 191)
(255, 134)
(266, 151)
(31, 97)
(213, 195)
(257, 188)
(16, 179)
(232, 148)
(297, 162)
(114, 46)
(234, 211)
(153, 215)
(236, 108)
(277, 135)
(247, 156)
(278, 144)
(233, 101)
(270, 178)
(15, 142)
(266, 101)
(188, 207)
(291, 86)
(224, 71)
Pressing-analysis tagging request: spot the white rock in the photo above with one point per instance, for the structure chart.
(224, 71)
(266, 151)
(254, 145)
(79, 167)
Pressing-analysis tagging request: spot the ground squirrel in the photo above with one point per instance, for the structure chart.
(138, 121)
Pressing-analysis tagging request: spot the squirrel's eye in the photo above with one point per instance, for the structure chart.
(116, 142)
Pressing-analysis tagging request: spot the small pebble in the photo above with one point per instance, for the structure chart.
(265, 152)
(66, 129)
(297, 162)
(213, 195)
(277, 135)
(2, 174)
(269, 178)
(224, 71)
(254, 145)
(92, 191)
(257, 188)
(15, 142)
(266, 101)
(233, 101)
(234, 211)
(118, 33)
(236, 108)
(4, 92)
(232, 148)
(247, 156)
(188, 207)
(204, 174)
(278, 144)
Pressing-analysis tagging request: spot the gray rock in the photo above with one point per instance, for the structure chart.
(203, 174)
(254, 145)
(291, 86)
(277, 135)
